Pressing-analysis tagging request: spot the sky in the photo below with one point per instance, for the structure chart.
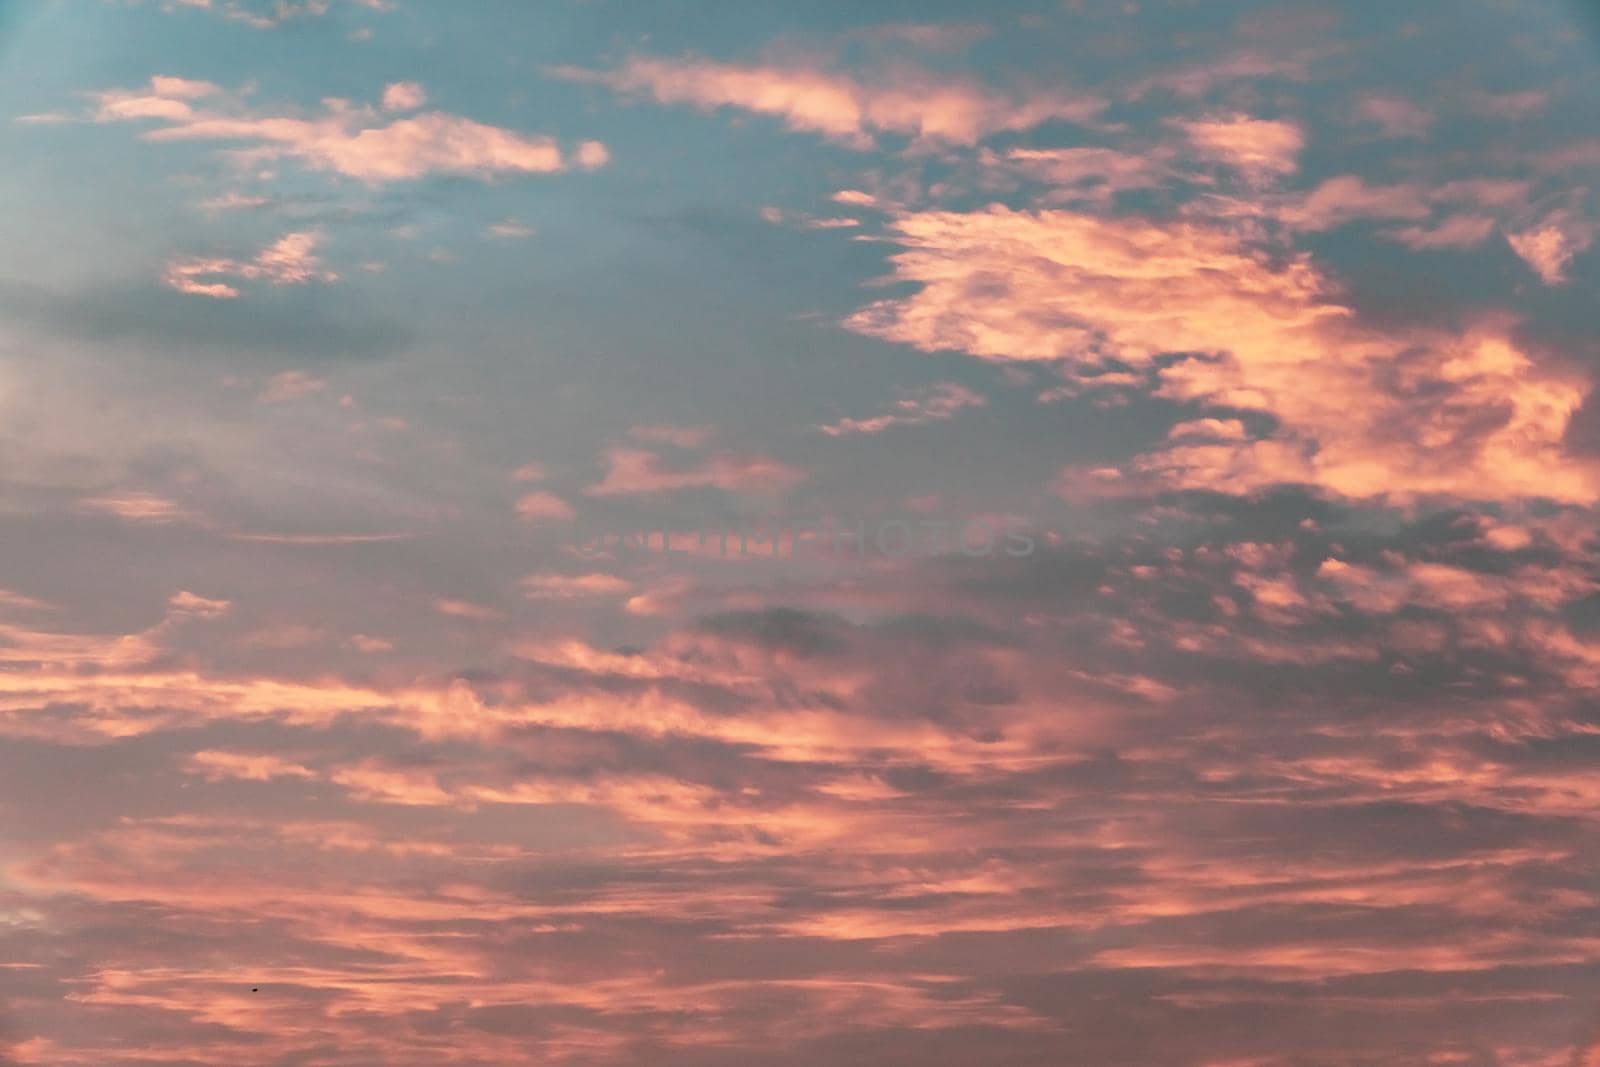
(704, 534)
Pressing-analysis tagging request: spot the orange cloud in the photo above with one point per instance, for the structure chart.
(215, 766)
(1259, 149)
(1268, 335)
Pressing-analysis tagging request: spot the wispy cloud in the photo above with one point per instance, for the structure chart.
(1259, 149)
(352, 140)
(933, 403)
(842, 105)
(291, 260)
(636, 472)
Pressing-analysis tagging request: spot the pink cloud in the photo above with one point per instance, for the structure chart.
(403, 96)
(1260, 149)
(1550, 245)
(802, 220)
(291, 260)
(216, 766)
(1456, 231)
(1347, 198)
(841, 106)
(530, 472)
(464, 609)
(1091, 173)
(354, 141)
(634, 471)
(1196, 80)
(185, 603)
(138, 507)
(854, 198)
(573, 586)
(1005, 285)
(934, 403)
(291, 385)
(541, 507)
(676, 436)
(1395, 116)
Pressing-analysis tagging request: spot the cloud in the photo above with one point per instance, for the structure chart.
(854, 198)
(1195, 80)
(1283, 755)
(677, 436)
(164, 97)
(1395, 115)
(890, 783)
(138, 507)
(217, 766)
(844, 107)
(1094, 174)
(935, 37)
(1348, 197)
(1553, 243)
(636, 472)
(1012, 285)
(933, 403)
(1455, 231)
(802, 220)
(465, 609)
(541, 507)
(403, 96)
(1259, 333)
(1259, 149)
(573, 586)
(530, 472)
(1510, 106)
(291, 260)
(271, 14)
(354, 141)
(291, 385)
(510, 229)
(592, 155)
(185, 603)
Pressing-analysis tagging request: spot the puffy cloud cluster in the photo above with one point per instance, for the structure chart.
(1218, 322)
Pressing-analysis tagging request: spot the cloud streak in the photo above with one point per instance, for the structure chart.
(840, 105)
(347, 139)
